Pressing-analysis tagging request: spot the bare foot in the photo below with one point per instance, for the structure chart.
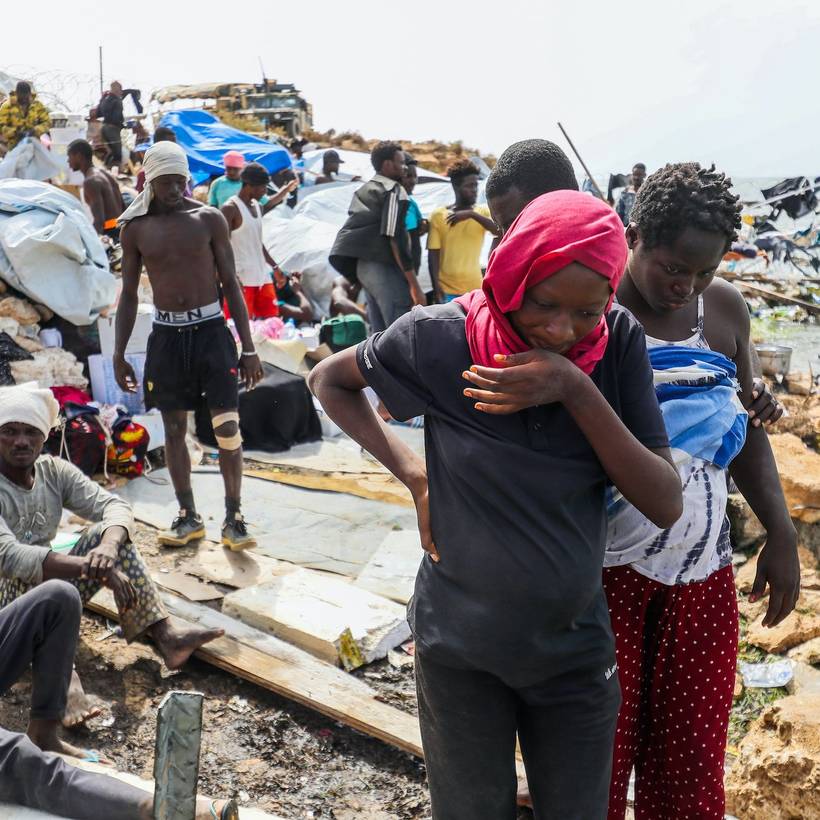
(177, 644)
(79, 707)
(44, 735)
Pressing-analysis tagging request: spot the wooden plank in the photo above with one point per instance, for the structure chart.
(375, 486)
(779, 297)
(392, 569)
(330, 618)
(290, 672)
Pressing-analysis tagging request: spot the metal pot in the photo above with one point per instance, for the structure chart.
(775, 360)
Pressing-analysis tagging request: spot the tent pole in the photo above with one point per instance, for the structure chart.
(583, 164)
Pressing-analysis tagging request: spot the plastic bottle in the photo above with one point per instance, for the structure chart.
(289, 330)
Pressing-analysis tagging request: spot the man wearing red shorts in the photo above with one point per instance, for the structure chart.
(253, 262)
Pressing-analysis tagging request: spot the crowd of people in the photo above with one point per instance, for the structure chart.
(576, 591)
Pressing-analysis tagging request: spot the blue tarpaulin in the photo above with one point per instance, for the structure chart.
(205, 139)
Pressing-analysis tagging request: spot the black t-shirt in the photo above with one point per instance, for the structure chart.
(517, 502)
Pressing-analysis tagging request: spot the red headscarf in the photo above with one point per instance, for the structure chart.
(550, 233)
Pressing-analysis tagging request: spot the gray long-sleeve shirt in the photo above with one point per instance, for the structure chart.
(30, 518)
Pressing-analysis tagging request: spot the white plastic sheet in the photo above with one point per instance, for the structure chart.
(50, 251)
(30, 159)
(301, 239)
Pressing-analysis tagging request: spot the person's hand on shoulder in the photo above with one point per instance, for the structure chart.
(521, 380)
(765, 408)
(454, 217)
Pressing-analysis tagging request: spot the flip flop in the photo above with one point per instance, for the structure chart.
(230, 811)
(93, 756)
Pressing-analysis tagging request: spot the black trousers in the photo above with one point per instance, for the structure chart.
(566, 728)
(112, 135)
(40, 629)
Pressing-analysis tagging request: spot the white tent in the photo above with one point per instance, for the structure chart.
(301, 239)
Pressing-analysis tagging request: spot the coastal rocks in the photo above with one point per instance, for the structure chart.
(747, 531)
(799, 469)
(777, 775)
(799, 383)
(800, 626)
(803, 419)
(808, 652)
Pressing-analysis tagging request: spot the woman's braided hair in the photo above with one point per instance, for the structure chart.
(684, 195)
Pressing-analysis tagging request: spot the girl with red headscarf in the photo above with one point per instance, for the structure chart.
(509, 616)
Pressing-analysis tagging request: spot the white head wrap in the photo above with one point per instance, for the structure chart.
(161, 158)
(27, 405)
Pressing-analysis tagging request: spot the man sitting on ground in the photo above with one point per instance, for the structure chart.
(34, 491)
(344, 298)
(40, 629)
(330, 169)
(100, 190)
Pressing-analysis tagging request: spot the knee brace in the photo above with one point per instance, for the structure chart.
(233, 442)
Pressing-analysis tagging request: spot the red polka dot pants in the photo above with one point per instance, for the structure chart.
(676, 648)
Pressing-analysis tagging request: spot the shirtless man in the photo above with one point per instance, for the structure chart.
(191, 352)
(100, 190)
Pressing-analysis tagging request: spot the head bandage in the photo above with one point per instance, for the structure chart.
(161, 159)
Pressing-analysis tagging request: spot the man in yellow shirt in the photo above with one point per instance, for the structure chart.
(457, 236)
(22, 115)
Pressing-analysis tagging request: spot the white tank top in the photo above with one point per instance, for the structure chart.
(251, 268)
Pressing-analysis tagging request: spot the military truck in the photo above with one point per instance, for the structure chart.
(275, 105)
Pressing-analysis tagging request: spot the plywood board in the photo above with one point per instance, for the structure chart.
(213, 562)
(365, 485)
(391, 570)
(329, 531)
(328, 617)
(290, 672)
(186, 585)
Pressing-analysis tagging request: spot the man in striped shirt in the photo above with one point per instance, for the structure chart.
(372, 246)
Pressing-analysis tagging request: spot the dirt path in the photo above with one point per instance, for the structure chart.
(267, 751)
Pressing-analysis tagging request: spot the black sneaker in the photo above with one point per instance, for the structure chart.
(235, 534)
(186, 527)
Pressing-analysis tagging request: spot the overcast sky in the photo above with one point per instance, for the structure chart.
(727, 82)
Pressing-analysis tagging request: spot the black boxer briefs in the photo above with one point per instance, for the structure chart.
(191, 365)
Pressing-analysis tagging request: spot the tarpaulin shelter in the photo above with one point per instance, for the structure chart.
(50, 252)
(205, 139)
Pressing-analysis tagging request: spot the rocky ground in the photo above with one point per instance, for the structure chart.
(267, 751)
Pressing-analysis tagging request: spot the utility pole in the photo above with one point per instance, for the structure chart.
(101, 73)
